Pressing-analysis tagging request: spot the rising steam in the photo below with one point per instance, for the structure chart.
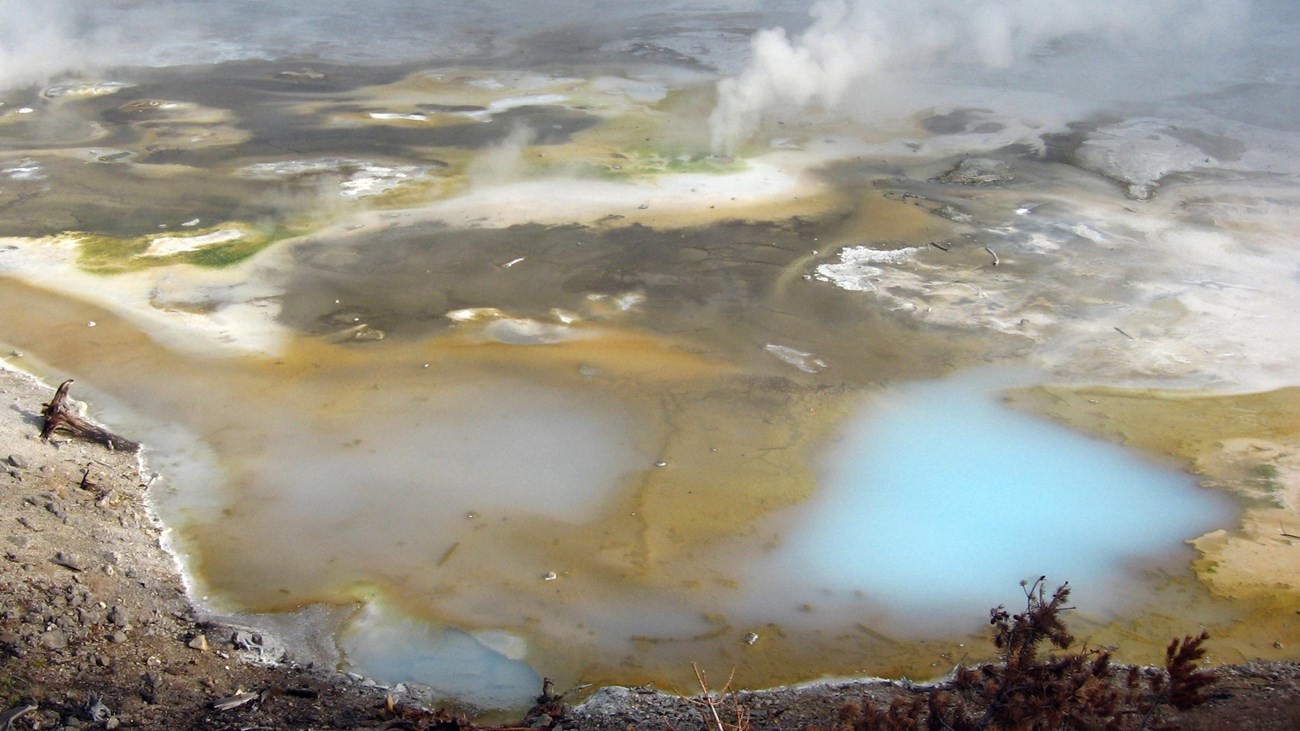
(38, 41)
(857, 46)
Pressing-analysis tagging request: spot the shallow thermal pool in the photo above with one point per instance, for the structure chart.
(585, 347)
(938, 497)
(932, 503)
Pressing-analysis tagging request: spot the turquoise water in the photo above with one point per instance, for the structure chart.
(484, 667)
(939, 499)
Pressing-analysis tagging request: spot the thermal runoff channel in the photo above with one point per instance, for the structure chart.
(475, 342)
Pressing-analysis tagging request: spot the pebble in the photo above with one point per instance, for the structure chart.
(69, 561)
(117, 637)
(18, 462)
(119, 616)
(54, 639)
(199, 642)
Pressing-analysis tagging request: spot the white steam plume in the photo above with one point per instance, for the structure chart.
(38, 41)
(862, 44)
(504, 161)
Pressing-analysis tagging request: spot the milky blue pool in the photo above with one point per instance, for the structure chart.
(938, 499)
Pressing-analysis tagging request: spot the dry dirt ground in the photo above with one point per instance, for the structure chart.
(96, 631)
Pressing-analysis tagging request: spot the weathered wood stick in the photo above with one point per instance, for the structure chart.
(13, 714)
(58, 415)
(993, 254)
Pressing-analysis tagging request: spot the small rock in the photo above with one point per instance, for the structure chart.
(119, 616)
(199, 642)
(18, 462)
(549, 576)
(751, 638)
(69, 561)
(54, 639)
(117, 637)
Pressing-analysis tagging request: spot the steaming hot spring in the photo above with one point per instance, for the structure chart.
(594, 342)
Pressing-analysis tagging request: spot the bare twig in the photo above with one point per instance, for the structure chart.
(711, 702)
(13, 714)
(1121, 332)
(59, 416)
(234, 701)
(993, 254)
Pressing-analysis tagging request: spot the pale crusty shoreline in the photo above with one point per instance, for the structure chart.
(92, 606)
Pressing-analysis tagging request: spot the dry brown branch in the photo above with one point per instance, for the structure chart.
(60, 416)
(710, 702)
